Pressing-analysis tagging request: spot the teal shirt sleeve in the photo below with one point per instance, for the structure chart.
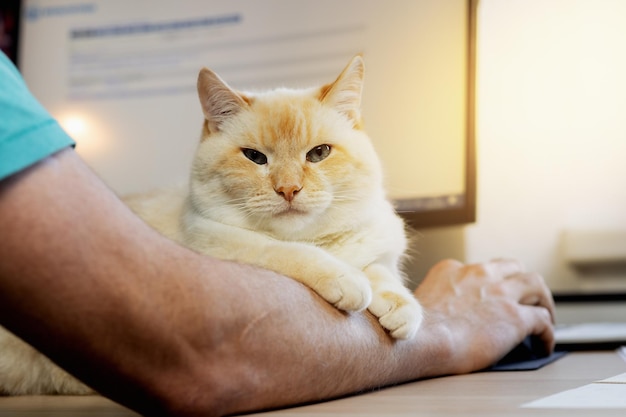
(28, 133)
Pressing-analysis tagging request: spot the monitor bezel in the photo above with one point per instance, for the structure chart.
(466, 213)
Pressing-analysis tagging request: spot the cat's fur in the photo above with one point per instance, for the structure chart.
(287, 180)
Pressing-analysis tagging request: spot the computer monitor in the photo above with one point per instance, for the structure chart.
(120, 76)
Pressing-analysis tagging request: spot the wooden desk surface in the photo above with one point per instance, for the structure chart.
(480, 394)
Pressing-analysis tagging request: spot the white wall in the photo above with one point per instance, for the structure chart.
(551, 132)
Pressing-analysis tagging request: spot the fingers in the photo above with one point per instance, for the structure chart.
(508, 277)
(496, 278)
(539, 322)
(531, 289)
(533, 296)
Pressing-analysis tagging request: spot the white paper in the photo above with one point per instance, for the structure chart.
(606, 393)
(596, 395)
(617, 379)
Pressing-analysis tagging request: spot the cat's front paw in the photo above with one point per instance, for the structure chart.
(400, 314)
(348, 290)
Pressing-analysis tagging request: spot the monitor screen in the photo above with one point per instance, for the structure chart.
(120, 77)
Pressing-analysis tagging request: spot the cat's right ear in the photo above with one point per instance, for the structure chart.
(219, 102)
(344, 95)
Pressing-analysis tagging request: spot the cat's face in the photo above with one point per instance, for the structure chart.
(285, 161)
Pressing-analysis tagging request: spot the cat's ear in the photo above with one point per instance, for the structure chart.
(345, 93)
(219, 101)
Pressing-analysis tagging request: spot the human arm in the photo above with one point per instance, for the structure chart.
(163, 330)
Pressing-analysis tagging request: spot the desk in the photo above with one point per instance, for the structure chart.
(479, 394)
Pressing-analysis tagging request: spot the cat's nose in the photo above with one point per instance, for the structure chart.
(288, 192)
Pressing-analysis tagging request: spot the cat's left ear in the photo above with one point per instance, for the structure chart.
(345, 93)
(219, 101)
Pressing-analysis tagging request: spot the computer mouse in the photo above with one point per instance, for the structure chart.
(529, 349)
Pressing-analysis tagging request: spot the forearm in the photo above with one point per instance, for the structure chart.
(164, 330)
(156, 326)
(87, 283)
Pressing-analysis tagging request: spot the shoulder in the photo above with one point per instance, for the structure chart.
(28, 133)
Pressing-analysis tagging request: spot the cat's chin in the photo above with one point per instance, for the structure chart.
(290, 220)
(289, 223)
(291, 212)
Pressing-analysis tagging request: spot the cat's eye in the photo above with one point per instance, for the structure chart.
(318, 153)
(255, 156)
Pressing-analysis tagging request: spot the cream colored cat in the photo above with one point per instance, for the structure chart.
(287, 180)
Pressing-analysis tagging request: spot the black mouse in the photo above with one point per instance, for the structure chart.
(529, 349)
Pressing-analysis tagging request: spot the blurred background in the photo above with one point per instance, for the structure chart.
(551, 143)
(550, 125)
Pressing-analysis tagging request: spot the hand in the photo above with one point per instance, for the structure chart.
(487, 309)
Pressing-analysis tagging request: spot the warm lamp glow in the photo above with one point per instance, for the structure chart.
(86, 131)
(75, 126)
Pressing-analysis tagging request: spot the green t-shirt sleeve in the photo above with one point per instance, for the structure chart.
(28, 133)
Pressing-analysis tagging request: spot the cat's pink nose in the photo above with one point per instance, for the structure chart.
(288, 192)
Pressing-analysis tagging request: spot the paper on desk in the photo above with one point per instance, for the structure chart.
(617, 379)
(606, 393)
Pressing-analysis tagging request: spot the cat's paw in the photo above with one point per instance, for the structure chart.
(348, 290)
(400, 314)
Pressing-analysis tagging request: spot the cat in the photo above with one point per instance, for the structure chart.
(287, 180)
